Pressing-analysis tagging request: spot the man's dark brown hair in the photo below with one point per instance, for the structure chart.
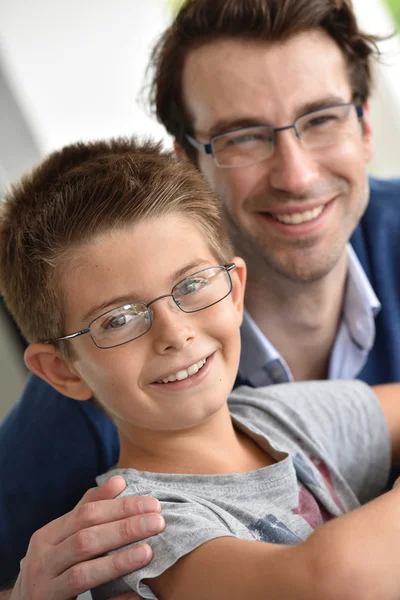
(77, 195)
(201, 21)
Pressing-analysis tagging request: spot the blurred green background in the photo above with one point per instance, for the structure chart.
(394, 5)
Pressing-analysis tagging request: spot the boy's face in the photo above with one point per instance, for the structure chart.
(142, 263)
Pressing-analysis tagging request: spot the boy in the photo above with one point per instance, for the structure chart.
(115, 263)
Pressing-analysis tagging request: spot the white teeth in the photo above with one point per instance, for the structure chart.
(185, 373)
(300, 217)
(193, 370)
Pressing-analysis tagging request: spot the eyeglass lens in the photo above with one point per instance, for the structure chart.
(126, 323)
(318, 129)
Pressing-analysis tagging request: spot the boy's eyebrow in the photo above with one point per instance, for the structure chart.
(126, 298)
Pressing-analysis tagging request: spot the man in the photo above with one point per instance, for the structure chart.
(270, 99)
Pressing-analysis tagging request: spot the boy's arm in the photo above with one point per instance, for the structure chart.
(355, 556)
(389, 399)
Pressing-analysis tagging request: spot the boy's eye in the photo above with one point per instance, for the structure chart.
(190, 286)
(118, 321)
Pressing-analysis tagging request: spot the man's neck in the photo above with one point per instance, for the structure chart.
(300, 319)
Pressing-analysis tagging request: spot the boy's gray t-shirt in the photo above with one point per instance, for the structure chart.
(332, 448)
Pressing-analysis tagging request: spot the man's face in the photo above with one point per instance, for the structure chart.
(230, 84)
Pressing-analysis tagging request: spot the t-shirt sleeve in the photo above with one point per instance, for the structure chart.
(191, 522)
(339, 421)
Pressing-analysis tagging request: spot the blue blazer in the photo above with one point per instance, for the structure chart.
(52, 448)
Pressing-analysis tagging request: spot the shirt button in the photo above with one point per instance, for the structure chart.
(278, 375)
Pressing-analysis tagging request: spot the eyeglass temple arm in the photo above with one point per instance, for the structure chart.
(230, 266)
(206, 148)
(67, 337)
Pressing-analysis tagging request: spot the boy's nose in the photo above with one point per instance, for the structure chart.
(171, 328)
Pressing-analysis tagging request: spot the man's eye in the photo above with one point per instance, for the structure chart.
(242, 139)
(247, 138)
(322, 120)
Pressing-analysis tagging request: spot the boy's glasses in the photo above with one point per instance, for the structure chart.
(128, 322)
(250, 145)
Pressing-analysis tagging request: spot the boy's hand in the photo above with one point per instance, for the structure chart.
(64, 558)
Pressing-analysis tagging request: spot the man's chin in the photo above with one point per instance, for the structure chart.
(309, 267)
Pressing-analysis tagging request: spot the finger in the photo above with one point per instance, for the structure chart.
(90, 543)
(92, 513)
(110, 489)
(85, 576)
(58, 530)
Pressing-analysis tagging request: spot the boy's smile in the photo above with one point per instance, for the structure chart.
(183, 373)
(179, 373)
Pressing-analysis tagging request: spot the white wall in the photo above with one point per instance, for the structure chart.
(68, 71)
(374, 17)
(77, 66)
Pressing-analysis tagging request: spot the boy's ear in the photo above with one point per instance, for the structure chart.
(46, 361)
(238, 276)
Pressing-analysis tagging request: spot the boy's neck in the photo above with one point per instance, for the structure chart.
(213, 447)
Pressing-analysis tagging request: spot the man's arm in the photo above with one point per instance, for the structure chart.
(355, 556)
(66, 557)
(51, 450)
(389, 399)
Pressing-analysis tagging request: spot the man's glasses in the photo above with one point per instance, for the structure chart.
(128, 322)
(250, 145)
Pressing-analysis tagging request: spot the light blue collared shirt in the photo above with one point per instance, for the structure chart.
(261, 364)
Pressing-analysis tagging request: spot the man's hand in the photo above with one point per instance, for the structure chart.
(64, 558)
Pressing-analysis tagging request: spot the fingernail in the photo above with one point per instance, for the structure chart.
(149, 505)
(152, 524)
(140, 553)
(118, 477)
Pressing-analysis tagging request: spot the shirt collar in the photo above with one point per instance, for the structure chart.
(256, 350)
(361, 304)
(360, 307)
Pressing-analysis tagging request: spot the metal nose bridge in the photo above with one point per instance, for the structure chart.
(292, 126)
(161, 297)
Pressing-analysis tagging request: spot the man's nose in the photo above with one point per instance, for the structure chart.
(292, 168)
(172, 329)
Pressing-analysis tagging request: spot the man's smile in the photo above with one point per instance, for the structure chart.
(296, 218)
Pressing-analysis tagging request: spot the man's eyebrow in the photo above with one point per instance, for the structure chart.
(225, 125)
(110, 303)
(319, 104)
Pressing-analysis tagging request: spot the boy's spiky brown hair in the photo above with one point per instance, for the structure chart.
(76, 194)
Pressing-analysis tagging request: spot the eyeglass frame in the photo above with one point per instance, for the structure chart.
(228, 267)
(207, 148)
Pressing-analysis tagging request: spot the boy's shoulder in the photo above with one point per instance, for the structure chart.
(312, 409)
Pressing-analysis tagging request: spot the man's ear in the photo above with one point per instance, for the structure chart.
(180, 153)
(46, 361)
(367, 131)
(238, 276)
